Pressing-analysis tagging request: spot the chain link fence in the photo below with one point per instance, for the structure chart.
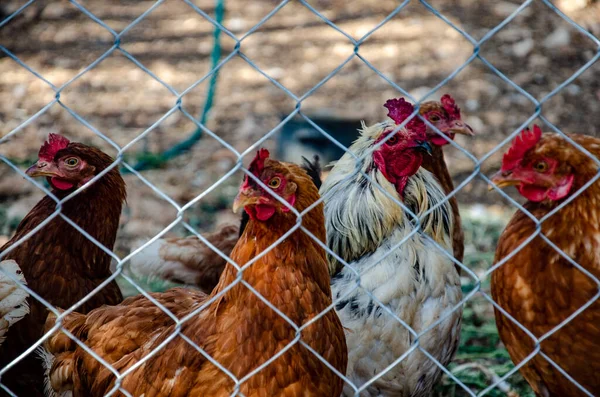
(218, 62)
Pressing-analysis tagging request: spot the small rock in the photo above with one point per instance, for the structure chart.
(572, 5)
(522, 48)
(55, 10)
(518, 99)
(472, 105)
(419, 92)
(275, 73)
(236, 24)
(19, 91)
(573, 89)
(559, 38)
(538, 61)
(495, 118)
(513, 34)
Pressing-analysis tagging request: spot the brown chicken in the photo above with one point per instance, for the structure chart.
(237, 329)
(445, 116)
(58, 262)
(190, 261)
(538, 286)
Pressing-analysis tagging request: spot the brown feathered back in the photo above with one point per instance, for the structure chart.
(61, 264)
(541, 289)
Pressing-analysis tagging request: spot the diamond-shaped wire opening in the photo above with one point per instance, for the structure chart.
(132, 100)
(551, 47)
(300, 62)
(182, 57)
(416, 49)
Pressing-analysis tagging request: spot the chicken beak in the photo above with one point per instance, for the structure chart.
(42, 168)
(423, 146)
(503, 179)
(244, 198)
(459, 127)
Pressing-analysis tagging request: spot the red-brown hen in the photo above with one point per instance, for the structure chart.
(538, 286)
(58, 262)
(237, 329)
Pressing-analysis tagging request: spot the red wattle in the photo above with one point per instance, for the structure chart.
(291, 200)
(264, 211)
(250, 211)
(61, 184)
(439, 141)
(533, 193)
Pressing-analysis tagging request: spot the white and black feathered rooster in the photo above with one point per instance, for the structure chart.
(416, 281)
(13, 299)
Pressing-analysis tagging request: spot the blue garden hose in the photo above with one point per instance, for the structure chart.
(152, 160)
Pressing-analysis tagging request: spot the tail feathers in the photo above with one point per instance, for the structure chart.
(13, 298)
(151, 264)
(57, 354)
(59, 342)
(313, 169)
(58, 373)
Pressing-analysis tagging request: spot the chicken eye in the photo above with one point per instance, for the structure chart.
(434, 118)
(72, 161)
(274, 182)
(541, 166)
(393, 139)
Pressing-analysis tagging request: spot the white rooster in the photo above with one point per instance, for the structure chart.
(417, 281)
(13, 299)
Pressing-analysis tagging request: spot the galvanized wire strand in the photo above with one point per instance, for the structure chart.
(201, 129)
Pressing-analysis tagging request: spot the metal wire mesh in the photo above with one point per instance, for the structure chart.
(179, 219)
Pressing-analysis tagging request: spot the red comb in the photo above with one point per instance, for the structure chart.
(399, 110)
(525, 141)
(54, 143)
(256, 167)
(450, 107)
(258, 163)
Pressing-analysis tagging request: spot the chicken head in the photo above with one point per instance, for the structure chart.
(445, 117)
(540, 169)
(66, 165)
(401, 153)
(259, 203)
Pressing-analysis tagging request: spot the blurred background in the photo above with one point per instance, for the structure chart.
(415, 49)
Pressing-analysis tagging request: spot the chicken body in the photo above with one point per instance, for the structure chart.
(436, 164)
(13, 299)
(238, 329)
(62, 265)
(445, 115)
(416, 281)
(541, 289)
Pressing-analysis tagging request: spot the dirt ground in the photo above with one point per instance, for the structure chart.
(416, 50)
